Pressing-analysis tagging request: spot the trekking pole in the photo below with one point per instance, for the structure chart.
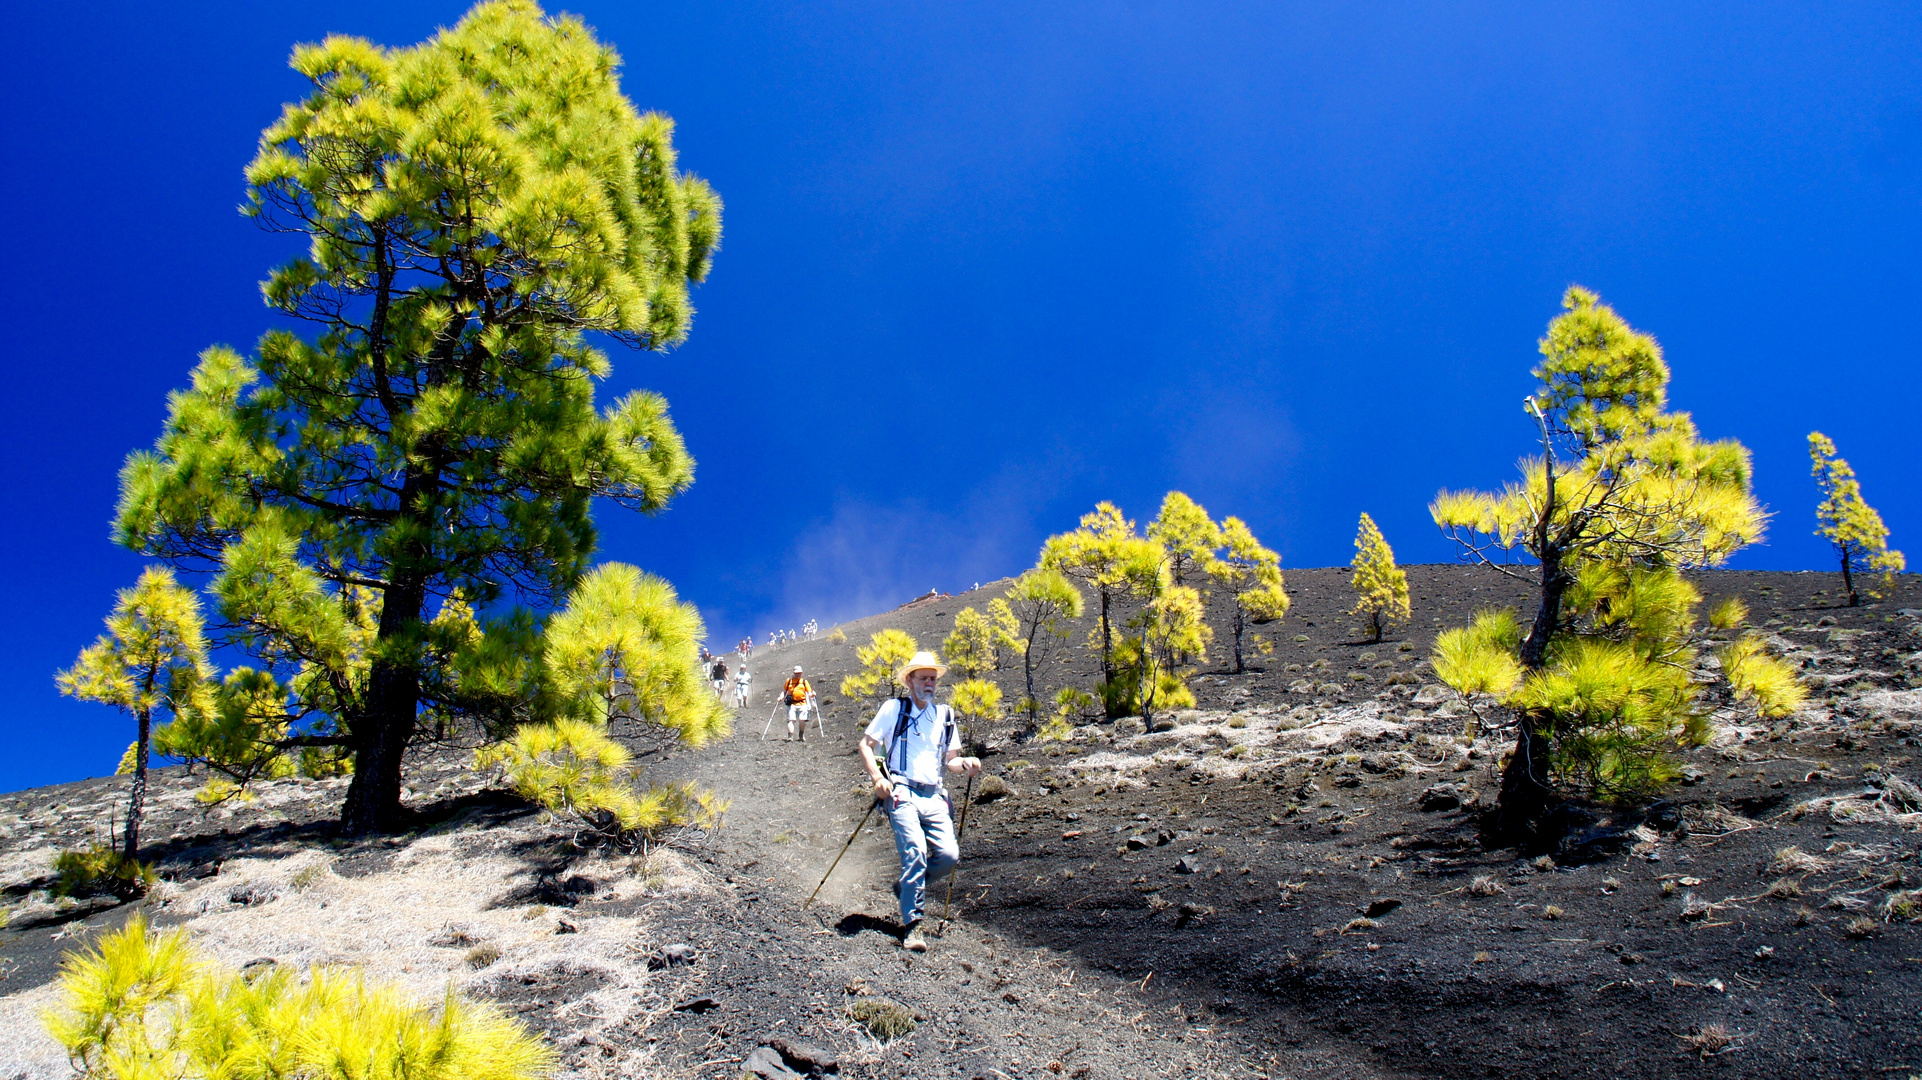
(820, 722)
(772, 713)
(844, 851)
(967, 799)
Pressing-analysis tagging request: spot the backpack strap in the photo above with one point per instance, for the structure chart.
(943, 716)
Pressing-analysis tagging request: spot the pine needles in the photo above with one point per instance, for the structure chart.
(146, 1005)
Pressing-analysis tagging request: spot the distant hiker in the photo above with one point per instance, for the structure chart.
(798, 695)
(919, 743)
(718, 676)
(745, 647)
(743, 687)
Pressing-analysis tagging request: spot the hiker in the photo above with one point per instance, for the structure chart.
(920, 743)
(718, 676)
(798, 695)
(743, 688)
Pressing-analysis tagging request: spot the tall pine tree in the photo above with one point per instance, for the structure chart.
(1847, 521)
(391, 503)
(1381, 587)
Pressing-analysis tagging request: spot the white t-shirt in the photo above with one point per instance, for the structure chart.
(920, 744)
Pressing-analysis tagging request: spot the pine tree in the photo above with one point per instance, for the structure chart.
(152, 661)
(1108, 556)
(1188, 537)
(1169, 634)
(1251, 574)
(1380, 586)
(475, 206)
(1043, 602)
(1625, 496)
(881, 659)
(974, 645)
(1849, 523)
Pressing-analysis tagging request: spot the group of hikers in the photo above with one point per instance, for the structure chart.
(909, 749)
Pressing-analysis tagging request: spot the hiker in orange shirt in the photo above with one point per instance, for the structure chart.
(799, 697)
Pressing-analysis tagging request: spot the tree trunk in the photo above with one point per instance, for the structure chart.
(1848, 579)
(1525, 794)
(137, 797)
(1027, 675)
(1238, 629)
(1108, 703)
(386, 725)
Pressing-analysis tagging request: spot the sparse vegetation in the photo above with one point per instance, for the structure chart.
(1041, 603)
(1728, 614)
(1485, 885)
(144, 1004)
(884, 1019)
(100, 871)
(880, 659)
(1251, 574)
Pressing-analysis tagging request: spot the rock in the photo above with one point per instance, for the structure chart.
(1187, 865)
(1691, 775)
(253, 894)
(1349, 781)
(1377, 908)
(1432, 695)
(1665, 816)
(806, 1058)
(258, 966)
(1161, 724)
(677, 955)
(1138, 843)
(563, 926)
(1164, 838)
(1440, 797)
(698, 1005)
(765, 1062)
(454, 936)
(30, 915)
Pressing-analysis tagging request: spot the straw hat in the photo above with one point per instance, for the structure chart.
(920, 660)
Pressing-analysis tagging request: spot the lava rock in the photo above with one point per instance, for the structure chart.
(1161, 724)
(698, 1005)
(1138, 843)
(765, 1062)
(1187, 865)
(1375, 909)
(676, 955)
(253, 894)
(1164, 838)
(806, 1058)
(1440, 797)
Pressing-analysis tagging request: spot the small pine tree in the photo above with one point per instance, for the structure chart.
(1380, 586)
(1252, 576)
(1168, 634)
(1107, 555)
(1188, 538)
(977, 700)
(1042, 602)
(974, 646)
(880, 658)
(152, 660)
(1846, 521)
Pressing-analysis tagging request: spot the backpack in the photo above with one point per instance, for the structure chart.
(946, 719)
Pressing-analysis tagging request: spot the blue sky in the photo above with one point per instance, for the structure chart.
(986, 264)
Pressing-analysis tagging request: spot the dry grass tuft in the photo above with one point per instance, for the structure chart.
(884, 1019)
(483, 954)
(1552, 912)
(1793, 860)
(1903, 906)
(1859, 927)
(1354, 925)
(1784, 889)
(1485, 885)
(1709, 1040)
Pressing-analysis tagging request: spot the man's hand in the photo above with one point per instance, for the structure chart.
(969, 765)
(884, 793)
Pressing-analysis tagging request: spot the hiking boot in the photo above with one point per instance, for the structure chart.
(914, 941)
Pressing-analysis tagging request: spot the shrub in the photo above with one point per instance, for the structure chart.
(145, 1005)
(100, 871)
(574, 769)
(884, 1019)
(977, 699)
(1768, 682)
(839, 637)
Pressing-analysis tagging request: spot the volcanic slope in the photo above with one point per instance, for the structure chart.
(1284, 881)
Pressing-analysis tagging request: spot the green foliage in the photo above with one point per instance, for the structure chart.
(880, 659)
(974, 646)
(1728, 614)
(1042, 603)
(1615, 712)
(1479, 659)
(1108, 556)
(1165, 636)
(884, 1019)
(1188, 537)
(1765, 681)
(573, 768)
(1381, 587)
(100, 871)
(977, 699)
(475, 207)
(1252, 576)
(625, 647)
(152, 660)
(1625, 496)
(1849, 523)
(143, 1006)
